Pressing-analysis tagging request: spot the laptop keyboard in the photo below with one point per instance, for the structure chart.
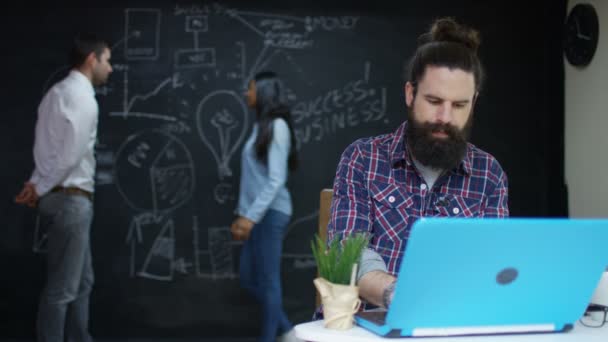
(376, 317)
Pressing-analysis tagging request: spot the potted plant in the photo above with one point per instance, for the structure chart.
(337, 266)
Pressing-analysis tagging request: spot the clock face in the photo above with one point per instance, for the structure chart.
(581, 36)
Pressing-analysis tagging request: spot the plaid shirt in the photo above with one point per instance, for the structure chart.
(378, 189)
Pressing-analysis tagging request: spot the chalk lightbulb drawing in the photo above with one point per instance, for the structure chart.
(221, 119)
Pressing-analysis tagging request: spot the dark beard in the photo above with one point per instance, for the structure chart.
(437, 153)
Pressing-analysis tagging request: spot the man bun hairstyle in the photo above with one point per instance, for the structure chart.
(447, 44)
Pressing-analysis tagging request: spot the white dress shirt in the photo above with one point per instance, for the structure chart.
(66, 131)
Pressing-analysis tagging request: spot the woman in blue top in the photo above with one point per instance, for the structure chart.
(264, 207)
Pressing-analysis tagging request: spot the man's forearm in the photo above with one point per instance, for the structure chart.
(372, 286)
(370, 261)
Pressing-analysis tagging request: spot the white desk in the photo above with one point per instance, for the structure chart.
(314, 331)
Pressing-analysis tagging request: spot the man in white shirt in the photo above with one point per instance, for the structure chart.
(62, 186)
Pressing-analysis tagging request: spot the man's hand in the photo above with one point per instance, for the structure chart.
(377, 287)
(241, 228)
(28, 195)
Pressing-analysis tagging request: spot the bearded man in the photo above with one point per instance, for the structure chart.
(425, 168)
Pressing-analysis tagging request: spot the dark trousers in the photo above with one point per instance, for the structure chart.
(260, 272)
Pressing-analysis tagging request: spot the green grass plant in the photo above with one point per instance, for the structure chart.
(335, 261)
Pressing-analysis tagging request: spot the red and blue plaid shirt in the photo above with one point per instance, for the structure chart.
(378, 190)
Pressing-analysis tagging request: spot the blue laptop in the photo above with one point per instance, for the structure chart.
(462, 276)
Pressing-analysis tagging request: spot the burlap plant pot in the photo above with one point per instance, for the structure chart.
(340, 303)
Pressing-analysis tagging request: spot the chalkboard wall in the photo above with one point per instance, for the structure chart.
(173, 121)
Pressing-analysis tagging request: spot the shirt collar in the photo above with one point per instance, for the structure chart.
(400, 155)
(80, 77)
(398, 149)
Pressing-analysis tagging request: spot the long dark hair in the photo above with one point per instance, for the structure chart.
(271, 104)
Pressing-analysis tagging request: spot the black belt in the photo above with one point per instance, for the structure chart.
(73, 191)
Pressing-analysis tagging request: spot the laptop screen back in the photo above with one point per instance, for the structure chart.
(496, 272)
